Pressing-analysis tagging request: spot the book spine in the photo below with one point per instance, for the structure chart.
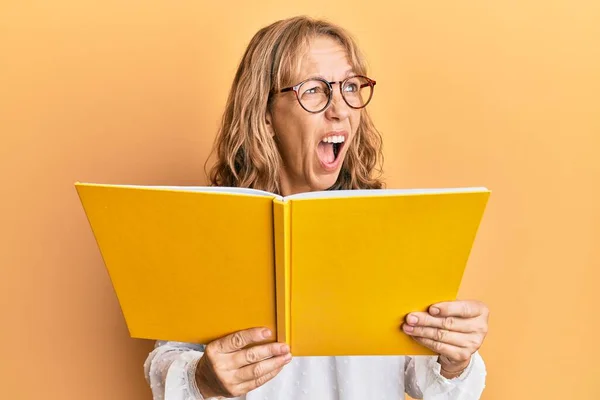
(282, 243)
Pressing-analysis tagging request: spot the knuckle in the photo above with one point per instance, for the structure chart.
(464, 355)
(473, 341)
(466, 309)
(484, 329)
(437, 346)
(211, 350)
(427, 320)
(261, 380)
(257, 371)
(251, 356)
(237, 340)
(448, 323)
(441, 334)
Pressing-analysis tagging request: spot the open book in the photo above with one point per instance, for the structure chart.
(331, 273)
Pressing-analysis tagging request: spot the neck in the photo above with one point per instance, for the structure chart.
(287, 187)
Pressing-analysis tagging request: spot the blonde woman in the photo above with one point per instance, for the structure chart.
(296, 121)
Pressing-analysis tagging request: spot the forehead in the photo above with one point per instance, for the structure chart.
(325, 57)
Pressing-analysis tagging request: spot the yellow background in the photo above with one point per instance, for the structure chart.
(497, 93)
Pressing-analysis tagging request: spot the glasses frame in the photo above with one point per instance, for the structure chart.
(295, 88)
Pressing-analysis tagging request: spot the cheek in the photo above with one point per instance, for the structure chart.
(296, 131)
(285, 126)
(301, 133)
(295, 134)
(355, 121)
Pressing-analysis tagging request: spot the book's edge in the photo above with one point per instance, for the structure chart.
(79, 189)
(363, 193)
(288, 270)
(485, 201)
(217, 190)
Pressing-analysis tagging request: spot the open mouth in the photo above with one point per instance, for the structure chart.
(330, 148)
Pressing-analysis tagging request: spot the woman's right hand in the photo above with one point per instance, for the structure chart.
(230, 368)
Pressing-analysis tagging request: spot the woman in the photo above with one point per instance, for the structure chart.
(294, 122)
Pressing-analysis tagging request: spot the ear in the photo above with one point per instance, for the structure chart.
(268, 122)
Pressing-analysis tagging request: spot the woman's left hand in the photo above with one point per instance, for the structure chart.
(455, 330)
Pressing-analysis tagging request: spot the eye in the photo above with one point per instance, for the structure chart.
(351, 87)
(314, 90)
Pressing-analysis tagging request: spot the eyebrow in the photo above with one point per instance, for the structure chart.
(348, 73)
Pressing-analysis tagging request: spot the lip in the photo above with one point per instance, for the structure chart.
(330, 167)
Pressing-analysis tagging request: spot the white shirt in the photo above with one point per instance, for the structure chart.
(170, 371)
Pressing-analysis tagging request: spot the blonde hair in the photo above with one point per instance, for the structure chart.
(247, 154)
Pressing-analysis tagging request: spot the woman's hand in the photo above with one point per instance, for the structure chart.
(229, 369)
(455, 330)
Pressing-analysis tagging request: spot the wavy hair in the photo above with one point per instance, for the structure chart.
(247, 153)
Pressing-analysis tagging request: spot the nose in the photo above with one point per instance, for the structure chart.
(338, 109)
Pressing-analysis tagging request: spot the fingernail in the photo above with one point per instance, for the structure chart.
(434, 311)
(266, 333)
(285, 348)
(408, 328)
(412, 319)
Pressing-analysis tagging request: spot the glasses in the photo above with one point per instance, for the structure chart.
(315, 94)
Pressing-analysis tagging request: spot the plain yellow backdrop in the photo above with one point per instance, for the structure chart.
(503, 94)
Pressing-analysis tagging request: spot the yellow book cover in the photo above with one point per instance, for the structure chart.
(331, 273)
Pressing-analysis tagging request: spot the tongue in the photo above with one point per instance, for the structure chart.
(325, 152)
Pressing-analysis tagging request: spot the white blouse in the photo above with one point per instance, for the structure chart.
(170, 371)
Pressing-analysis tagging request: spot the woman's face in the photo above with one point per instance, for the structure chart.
(310, 143)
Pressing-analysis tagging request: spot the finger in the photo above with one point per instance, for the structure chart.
(454, 353)
(462, 309)
(455, 324)
(253, 384)
(255, 372)
(240, 339)
(440, 335)
(258, 353)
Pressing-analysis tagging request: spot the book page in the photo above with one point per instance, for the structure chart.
(223, 189)
(381, 192)
(203, 189)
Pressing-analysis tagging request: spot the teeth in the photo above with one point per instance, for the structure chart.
(334, 139)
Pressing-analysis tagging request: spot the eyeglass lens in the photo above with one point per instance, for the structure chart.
(314, 94)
